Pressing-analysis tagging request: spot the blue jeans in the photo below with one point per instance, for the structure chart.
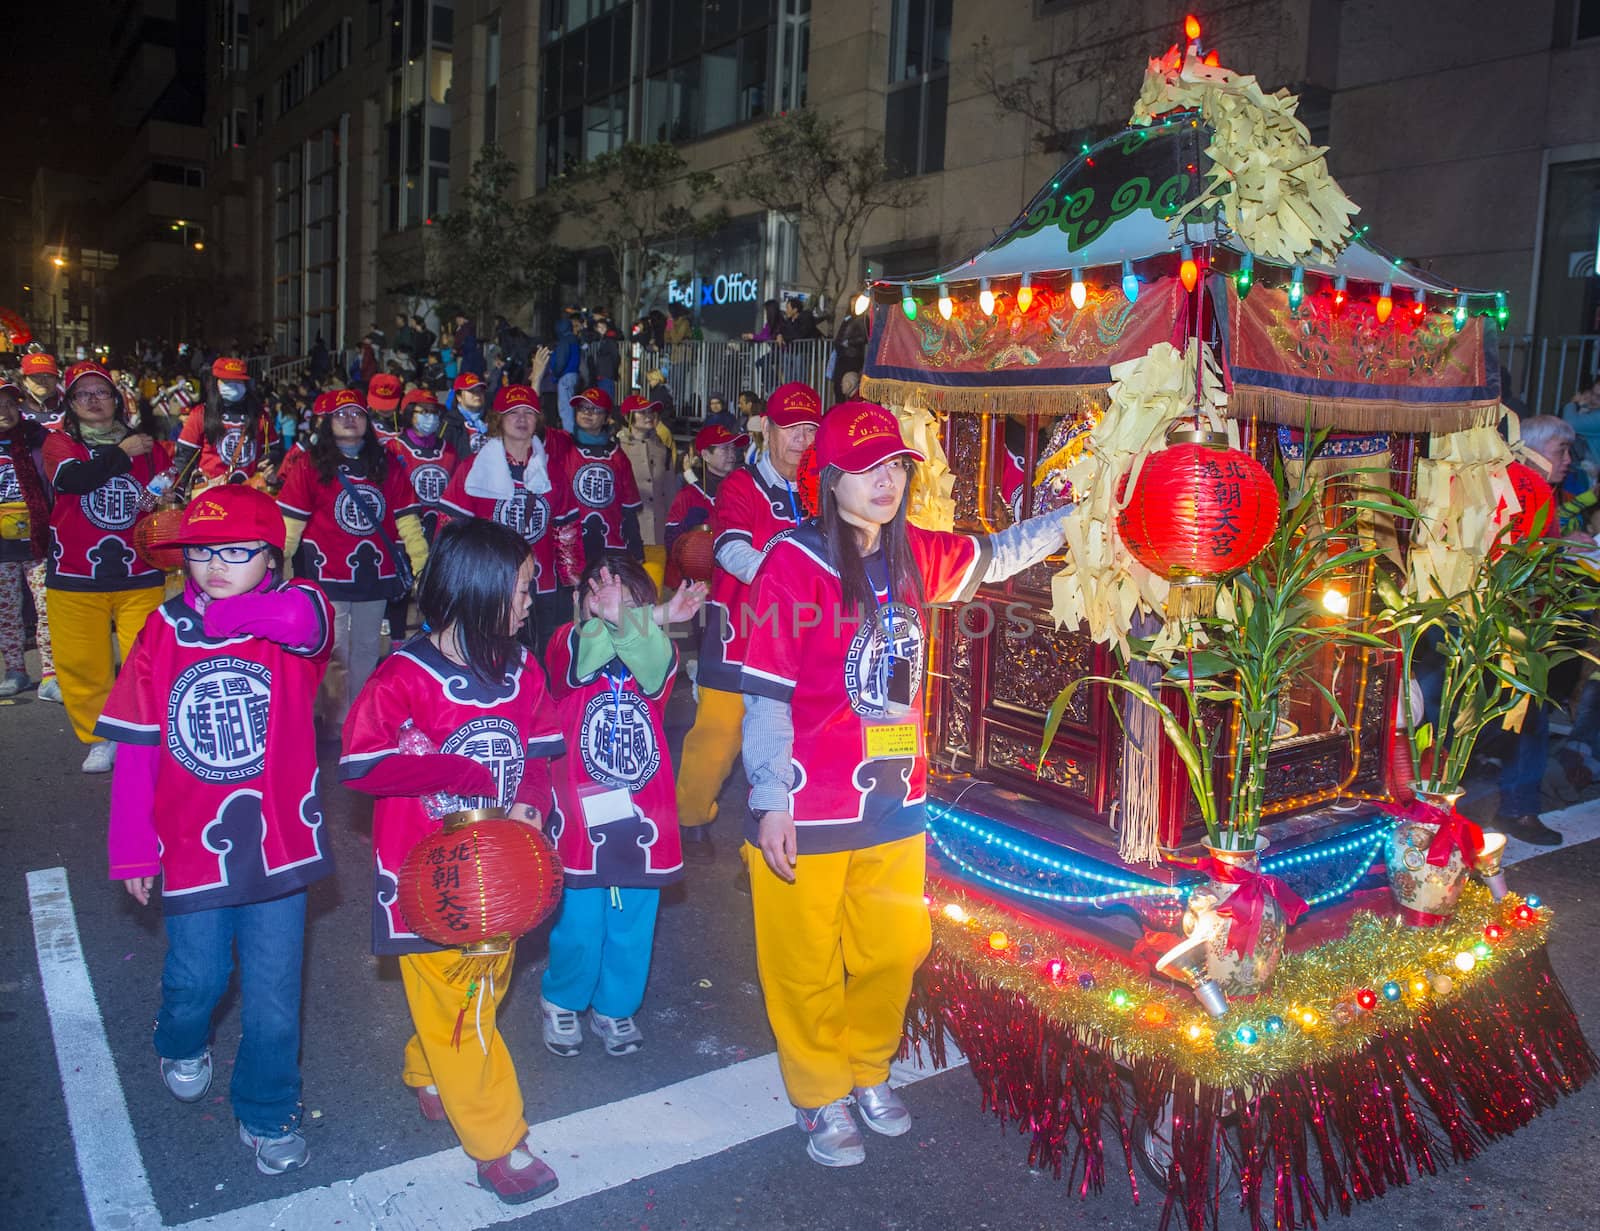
(600, 953)
(199, 966)
(1524, 768)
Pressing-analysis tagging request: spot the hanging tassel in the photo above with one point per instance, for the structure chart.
(461, 1015)
(1139, 801)
(1189, 600)
(616, 898)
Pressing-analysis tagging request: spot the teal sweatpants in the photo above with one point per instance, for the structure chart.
(600, 950)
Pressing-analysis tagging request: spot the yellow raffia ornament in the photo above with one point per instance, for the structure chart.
(1102, 585)
(1459, 487)
(1272, 183)
(930, 504)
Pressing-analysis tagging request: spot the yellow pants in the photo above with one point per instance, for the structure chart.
(479, 1090)
(81, 626)
(709, 751)
(836, 951)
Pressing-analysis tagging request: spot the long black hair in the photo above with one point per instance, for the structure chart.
(325, 454)
(844, 551)
(468, 583)
(249, 408)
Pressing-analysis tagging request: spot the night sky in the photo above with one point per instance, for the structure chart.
(57, 67)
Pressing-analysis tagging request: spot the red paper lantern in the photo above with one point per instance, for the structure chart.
(693, 554)
(152, 539)
(1199, 511)
(1538, 508)
(485, 881)
(808, 483)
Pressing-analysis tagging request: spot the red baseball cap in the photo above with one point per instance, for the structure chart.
(598, 398)
(322, 404)
(340, 398)
(383, 391)
(515, 395)
(231, 513)
(37, 363)
(86, 367)
(714, 434)
(467, 380)
(229, 368)
(856, 436)
(794, 403)
(638, 401)
(420, 397)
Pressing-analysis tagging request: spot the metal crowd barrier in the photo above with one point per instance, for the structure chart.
(1545, 372)
(695, 372)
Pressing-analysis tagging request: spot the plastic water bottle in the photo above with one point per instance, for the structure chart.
(415, 743)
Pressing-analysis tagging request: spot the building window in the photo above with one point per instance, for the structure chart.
(1586, 20)
(305, 243)
(491, 82)
(919, 87)
(416, 156)
(794, 54)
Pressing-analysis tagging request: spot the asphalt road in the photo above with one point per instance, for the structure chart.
(957, 1169)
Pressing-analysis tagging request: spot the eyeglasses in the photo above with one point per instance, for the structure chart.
(84, 396)
(196, 554)
(350, 412)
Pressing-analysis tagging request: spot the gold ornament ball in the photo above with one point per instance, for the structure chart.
(1443, 984)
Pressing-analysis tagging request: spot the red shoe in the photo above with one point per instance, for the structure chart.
(519, 1176)
(429, 1102)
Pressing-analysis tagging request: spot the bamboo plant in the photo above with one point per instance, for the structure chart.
(1270, 621)
(1520, 616)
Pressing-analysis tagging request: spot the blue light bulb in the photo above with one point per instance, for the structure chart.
(1130, 284)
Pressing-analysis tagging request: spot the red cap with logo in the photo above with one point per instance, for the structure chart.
(793, 404)
(339, 399)
(515, 395)
(598, 398)
(230, 368)
(638, 402)
(384, 390)
(419, 397)
(715, 434)
(232, 513)
(467, 380)
(322, 404)
(856, 436)
(37, 363)
(86, 367)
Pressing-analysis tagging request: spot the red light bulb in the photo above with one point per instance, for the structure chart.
(1367, 998)
(1213, 60)
(1191, 27)
(1493, 933)
(1338, 299)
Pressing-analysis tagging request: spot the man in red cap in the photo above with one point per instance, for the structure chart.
(41, 381)
(383, 399)
(754, 506)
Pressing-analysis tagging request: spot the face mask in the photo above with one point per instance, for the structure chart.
(231, 390)
(426, 424)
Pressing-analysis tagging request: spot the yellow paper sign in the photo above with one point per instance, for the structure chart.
(896, 740)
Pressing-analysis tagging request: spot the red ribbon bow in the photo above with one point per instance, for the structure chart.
(1455, 832)
(1247, 903)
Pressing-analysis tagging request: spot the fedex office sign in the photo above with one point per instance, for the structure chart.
(714, 292)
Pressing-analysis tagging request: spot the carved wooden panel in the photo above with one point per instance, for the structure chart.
(1370, 773)
(1027, 674)
(958, 696)
(1019, 755)
(967, 463)
(1307, 775)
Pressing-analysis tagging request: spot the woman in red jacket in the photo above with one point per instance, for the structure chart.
(96, 584)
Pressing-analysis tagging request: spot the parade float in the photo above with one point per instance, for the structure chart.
(1191, 920)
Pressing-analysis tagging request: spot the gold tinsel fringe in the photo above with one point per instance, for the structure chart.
(1189, 601)
(1049, 399)
(1358, 415)
(1153, 1019)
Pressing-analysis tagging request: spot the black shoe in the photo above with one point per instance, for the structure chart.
(697, 844)
(1530, 829)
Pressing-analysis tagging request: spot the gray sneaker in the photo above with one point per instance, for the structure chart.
(188, 1079)
(881, 1109)
(13, 683)
(101, 758)
(832, 1136)
(562, 1034)
(275, 1155)
(621, 1036)
(49, 689)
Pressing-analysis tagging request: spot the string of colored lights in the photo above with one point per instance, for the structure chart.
(1368, 840)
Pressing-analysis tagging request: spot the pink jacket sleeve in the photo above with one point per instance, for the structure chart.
(131, 845)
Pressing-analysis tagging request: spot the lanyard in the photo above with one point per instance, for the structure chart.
(794, 507)
(614, 682)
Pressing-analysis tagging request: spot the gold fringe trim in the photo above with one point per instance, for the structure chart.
(1050, 399)
(1360, 415)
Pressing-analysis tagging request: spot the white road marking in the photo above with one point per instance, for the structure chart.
(115, 1184)
(1578, 824)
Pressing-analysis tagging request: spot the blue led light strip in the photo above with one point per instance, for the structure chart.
(1368, 841)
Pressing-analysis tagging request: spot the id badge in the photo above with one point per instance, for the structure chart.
(897, 684)
(604, 806)
(882, 741)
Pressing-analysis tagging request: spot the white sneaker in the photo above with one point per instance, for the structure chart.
(562, 1035)
(620, 1035)
(101, 758)
(832, 1137)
